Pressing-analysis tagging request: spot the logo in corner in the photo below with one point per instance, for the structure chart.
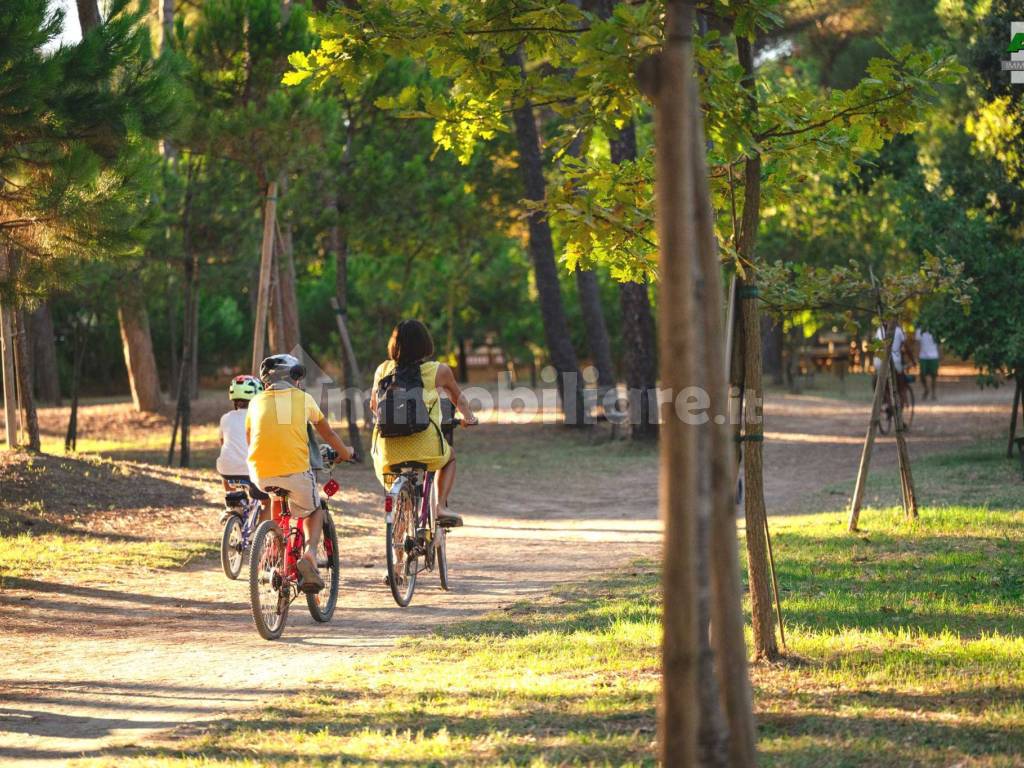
(1015, 66)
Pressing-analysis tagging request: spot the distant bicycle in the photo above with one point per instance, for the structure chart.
(273, 576)
(414, 540)
(906, 395)
(239, 521)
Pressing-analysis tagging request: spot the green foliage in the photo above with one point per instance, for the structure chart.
(76, 130)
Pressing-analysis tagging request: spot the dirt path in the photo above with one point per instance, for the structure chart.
(90, 665)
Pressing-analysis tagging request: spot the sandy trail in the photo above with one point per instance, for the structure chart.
(92, 665)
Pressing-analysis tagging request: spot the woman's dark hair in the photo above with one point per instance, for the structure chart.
(410, 343)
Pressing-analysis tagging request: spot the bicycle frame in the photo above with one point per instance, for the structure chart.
(294, 538)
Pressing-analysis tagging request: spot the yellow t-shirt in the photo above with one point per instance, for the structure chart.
(276, 420)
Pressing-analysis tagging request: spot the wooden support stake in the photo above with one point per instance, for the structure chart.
(882, 381)
(259, 333)
(1013, 418)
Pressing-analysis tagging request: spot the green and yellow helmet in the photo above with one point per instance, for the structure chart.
(244, 388)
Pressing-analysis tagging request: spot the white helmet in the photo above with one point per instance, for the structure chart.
(279, 367)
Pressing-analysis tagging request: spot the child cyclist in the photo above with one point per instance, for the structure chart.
(275, 426)
(232, 463)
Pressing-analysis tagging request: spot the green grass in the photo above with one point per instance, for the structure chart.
(28, 555)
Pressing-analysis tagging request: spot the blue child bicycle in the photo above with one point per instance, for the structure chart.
(240, 519)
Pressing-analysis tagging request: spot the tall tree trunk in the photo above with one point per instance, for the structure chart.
(137, 344)
(194, 365)
(597, 331)
(726, 591)
(259, 332)
(765, 646)
(275, 326)
(542, 253)
(285, 263)
(674, 195)
(23, 368)
(45, 370)
(638, 342)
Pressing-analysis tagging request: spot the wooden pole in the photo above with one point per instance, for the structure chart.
(726, 608)
(881, 382)
(7, 360)
(669, 84)
(259, 333)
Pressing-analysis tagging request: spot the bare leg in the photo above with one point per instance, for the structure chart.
(935, 379)
(445, 481)
(312, 527)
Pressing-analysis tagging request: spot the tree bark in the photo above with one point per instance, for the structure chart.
(259, 333)
(542, 253)
(289, 299)
(45, 371)
(597, 331)
(23, 370)
(88, 15)
(137, 344)
(674, 194)
(765, 646)
(638, 344)
(726, 591)
(7, 370)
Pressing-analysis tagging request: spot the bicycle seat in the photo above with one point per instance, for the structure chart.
(403, 465)
(277, 491)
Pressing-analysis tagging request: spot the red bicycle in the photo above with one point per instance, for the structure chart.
(273, 577)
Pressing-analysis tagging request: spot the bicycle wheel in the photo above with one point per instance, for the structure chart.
(231, 547)
(441, 544)
(328, 561)
(908, 409)
(268, 589)
(400, 532)
(885, 419)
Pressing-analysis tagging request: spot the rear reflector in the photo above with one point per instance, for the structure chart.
(389, 503)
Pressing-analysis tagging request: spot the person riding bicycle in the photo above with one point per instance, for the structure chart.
(232, 462)
(902, 359)
(411, 348)
(275, 426)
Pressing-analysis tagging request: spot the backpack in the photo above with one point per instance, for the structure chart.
(401, 410)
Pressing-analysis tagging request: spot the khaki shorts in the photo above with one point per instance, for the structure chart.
(303, 496)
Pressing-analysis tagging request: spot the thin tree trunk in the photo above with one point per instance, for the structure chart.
(45, 371)
(589, 291)
(771, 343)
(726, 590)
(259, 333)
(23, 370)
(71, 437)
(1013, 418)
(765, 646)
(881, 383)
(638, 343)
(286, 277)
(172, 333)
(542, 253)
(7, 360)
(674, 193)
(338, 243)
(275, 326)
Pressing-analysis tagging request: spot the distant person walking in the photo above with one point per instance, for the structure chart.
(928, 354)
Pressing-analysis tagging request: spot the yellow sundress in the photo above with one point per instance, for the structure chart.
(428, 446)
